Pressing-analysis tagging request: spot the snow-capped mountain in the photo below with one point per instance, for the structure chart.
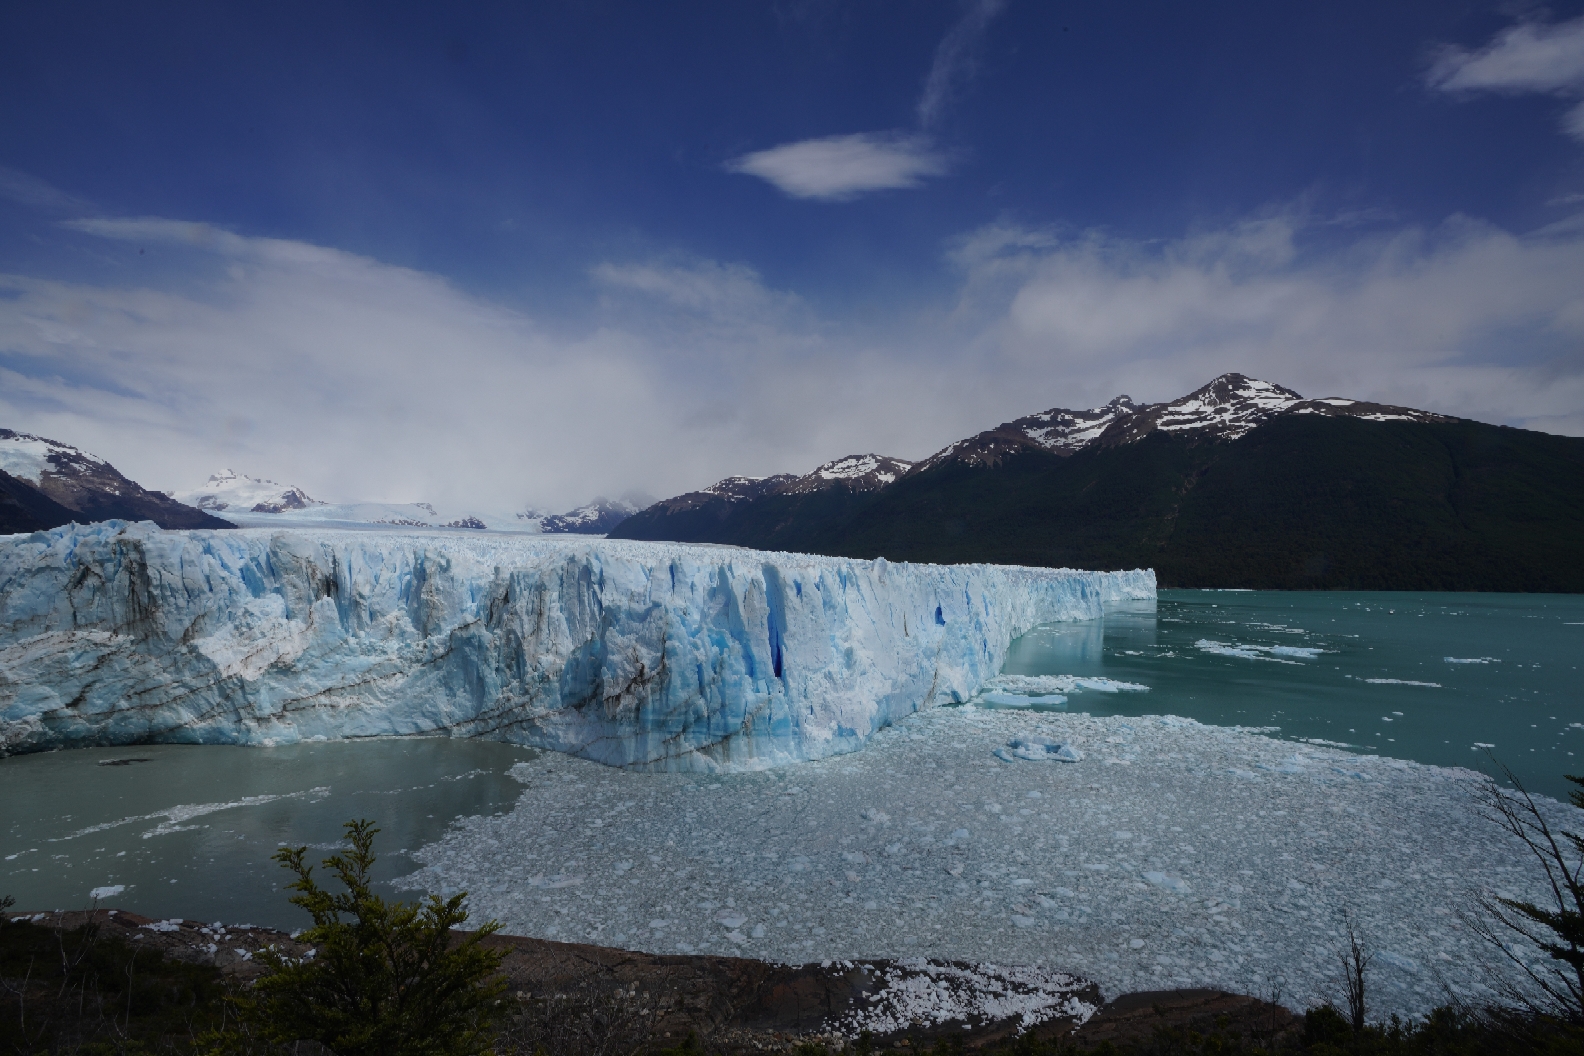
(1239, 483)
(228, 489)
(852, 474)
(594, 518)
(1225, 409)
(48, 483)
(855, 472)
(256, 502)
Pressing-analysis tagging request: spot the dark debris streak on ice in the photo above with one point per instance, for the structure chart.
(1172, 855)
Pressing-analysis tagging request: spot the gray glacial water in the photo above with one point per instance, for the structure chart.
(188, 830)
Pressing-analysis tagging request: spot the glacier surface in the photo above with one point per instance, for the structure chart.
(646, 655)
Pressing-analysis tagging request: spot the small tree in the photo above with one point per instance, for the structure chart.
(1355, 961)
(1556, 928)
(382, 979)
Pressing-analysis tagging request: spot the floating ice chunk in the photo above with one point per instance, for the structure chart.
(555, 882)
(1257, 652)
(173, 924)
(1175, 884)
(1013, 700)
(731, 918)
(1034, 687)
(106, 892)
(1037, 748)
(1471, 660)
(1022, 921)
(1397, 960)
(1177, 720)
(1247, 775)
(1400, 682)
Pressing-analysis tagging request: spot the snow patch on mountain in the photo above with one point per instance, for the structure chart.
(28, 457)
(854, 472)
(595, 518)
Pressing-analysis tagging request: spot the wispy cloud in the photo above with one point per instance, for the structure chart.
(1530, 57)
(29, 190)
(1424, 317)
(358, 379)
(840, 168)
(956, 59)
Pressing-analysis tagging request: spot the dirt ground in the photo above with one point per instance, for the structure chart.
(730, 1003)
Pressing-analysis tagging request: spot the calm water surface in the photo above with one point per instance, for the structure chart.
(188, 830)
(1429, 677)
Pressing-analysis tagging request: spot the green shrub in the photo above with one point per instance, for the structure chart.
(382, 979)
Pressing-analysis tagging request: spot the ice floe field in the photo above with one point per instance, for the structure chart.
(1172, 854)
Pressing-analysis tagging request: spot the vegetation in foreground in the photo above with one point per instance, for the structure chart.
(391, 978)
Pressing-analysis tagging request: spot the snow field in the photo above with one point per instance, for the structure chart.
(1172, 855)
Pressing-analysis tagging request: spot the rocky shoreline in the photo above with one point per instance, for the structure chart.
(739, 1004)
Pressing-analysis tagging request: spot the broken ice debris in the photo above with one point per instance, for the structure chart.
(1175, 884)
(1037, 749)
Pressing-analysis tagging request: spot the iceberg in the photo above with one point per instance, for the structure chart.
(644, 655)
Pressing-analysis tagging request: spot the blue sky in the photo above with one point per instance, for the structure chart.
(527, 253)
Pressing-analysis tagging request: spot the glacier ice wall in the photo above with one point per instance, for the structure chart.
(648, 655)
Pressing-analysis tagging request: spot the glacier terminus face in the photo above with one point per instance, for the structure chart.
(645, 655)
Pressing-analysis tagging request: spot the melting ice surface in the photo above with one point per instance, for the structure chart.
(648, 655)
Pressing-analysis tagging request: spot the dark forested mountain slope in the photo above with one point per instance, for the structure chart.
(1373, 498)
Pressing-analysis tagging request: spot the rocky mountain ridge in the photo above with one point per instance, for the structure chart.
(1241, 483)
(1224, 409)
(45, 483)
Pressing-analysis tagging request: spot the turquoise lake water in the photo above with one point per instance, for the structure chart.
(1428, 677)
(188, 830)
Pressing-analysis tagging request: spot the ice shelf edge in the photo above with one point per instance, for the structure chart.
(646, 655)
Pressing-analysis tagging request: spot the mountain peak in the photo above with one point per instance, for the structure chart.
(854, 472)
(230, 490)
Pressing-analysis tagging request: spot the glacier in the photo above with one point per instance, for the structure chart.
(651, 656)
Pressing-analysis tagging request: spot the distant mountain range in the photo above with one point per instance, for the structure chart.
(1241, 483)
(45, 483)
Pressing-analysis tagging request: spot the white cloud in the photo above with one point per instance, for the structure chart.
(839, 168)
(1527, 57)
(359, 380)
(25, 189)
(1466, 318)
(955, 59)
